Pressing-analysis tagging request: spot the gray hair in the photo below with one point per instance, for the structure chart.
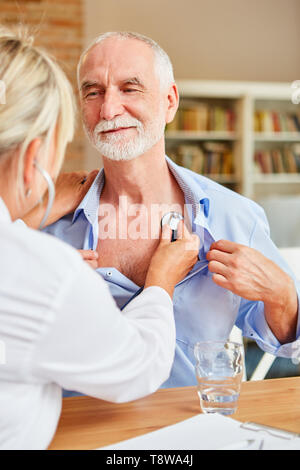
(163, 65)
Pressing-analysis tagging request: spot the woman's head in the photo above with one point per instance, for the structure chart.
(39, 107)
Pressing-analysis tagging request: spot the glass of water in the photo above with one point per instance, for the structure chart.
(219, 371)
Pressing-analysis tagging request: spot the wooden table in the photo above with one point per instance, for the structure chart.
(88, 423)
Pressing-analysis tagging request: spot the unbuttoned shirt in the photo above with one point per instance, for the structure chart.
(203, 311)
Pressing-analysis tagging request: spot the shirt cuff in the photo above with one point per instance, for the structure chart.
(149, 296)
(159, 294)
(260, 331)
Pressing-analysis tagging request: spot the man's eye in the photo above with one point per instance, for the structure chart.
(129, 90)
(92, 93)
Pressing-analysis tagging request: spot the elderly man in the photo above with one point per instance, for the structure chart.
(127, 95)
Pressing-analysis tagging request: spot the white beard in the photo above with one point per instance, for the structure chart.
(116, 147)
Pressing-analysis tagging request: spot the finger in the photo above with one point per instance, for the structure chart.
(84, 180)
(166, 233)
(82, 174)
(218, 268)
(92, 175)
(89, 254)
(64, 176)
(224, 245)
(192, 243)
(221, 281)
(217, 255)
(182, 231)
(77, 175)
(92, 264)
(88, 180)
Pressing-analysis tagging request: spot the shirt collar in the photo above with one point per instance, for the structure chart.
(90, 203)
(193, 191)
(195, 196)
(4, 212)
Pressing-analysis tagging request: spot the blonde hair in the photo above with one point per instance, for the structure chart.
(39, 102)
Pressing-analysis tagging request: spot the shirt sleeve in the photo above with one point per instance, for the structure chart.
(93, 348)
(251, 318)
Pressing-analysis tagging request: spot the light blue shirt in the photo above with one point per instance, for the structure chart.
(203, 310)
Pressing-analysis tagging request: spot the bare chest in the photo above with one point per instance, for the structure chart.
(128, 238)
(131, 258)
(127, 244)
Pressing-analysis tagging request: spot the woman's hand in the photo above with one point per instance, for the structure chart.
(172, 261)
(91, 257)
(70, 189)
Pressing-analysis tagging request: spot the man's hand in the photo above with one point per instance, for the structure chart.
(70, 189)
(247, 273)
(91, 257)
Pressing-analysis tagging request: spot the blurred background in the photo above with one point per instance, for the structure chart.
(235, 61)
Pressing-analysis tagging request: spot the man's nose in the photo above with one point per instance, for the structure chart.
(112, 105)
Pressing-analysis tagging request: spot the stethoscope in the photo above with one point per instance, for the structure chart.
(172, 219)
(51, 193)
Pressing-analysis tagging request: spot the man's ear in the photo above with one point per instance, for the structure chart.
(173, 102)
(31, 154)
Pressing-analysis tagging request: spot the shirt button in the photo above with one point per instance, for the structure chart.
(109, 273)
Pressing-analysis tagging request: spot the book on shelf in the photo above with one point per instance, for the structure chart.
(210, 158)
(285, 160)
(203, 117)
(272, 121)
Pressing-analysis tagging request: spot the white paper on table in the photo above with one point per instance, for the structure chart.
(203, 432)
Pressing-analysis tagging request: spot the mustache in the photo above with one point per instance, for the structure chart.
(116, 123)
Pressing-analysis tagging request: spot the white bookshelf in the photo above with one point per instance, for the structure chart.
(198, 135)
(244, 98)
(284, 178)
(277, 137)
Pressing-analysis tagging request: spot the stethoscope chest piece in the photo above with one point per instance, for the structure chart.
(172, 219)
